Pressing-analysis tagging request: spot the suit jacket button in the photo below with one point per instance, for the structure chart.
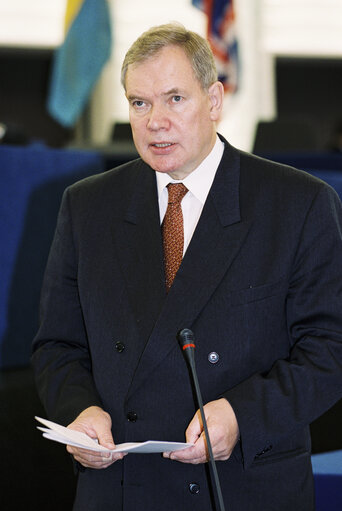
(132, 416)
(119, 346)
(194, 488)
(213, 357)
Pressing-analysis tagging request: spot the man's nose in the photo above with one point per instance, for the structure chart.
(158, 118)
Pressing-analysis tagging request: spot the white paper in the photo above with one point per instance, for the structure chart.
(67, 436)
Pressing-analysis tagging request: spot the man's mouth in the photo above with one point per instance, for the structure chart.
(165, 144)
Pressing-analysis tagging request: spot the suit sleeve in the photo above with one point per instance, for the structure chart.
(275, 405)
(60, 349)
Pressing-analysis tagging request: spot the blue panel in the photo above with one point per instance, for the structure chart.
(32, 181)
(327, 468)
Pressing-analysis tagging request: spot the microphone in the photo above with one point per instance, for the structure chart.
(186, 341)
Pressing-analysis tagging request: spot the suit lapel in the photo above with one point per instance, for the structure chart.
(216, 242)
(139, 249)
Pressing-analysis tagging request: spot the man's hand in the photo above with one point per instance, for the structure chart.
(96, 423)
(223, 432)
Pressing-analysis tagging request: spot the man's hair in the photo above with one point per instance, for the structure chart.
(156, 38)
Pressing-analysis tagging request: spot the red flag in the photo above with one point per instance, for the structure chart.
(221, 34)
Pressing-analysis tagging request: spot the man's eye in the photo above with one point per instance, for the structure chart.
(138, 103)
(176, 99)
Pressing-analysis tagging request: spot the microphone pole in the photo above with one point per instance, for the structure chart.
(186, 340)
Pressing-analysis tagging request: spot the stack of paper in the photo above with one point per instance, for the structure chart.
(59, 433)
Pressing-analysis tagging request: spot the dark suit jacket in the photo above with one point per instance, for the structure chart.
(260, 285)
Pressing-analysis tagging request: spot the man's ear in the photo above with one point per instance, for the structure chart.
(216, 95)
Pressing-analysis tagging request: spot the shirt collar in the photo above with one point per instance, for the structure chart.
(199, 181)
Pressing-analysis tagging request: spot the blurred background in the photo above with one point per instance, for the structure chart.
(64, 116)
(290, 62)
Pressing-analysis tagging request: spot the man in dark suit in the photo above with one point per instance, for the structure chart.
(260, 284)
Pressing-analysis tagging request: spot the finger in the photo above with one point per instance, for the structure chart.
(97, 460)
(88, 459)
(194, 429)
(94, 464)
(105, 437)
(96, 423)
(196, 454)
(94, 458)
(85, 453)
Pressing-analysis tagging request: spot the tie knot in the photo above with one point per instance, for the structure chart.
(176, 192)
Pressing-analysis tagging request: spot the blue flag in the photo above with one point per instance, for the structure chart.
(78, 62)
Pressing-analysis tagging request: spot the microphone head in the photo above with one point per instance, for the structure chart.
(186, 338)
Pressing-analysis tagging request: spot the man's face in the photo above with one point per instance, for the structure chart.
(172, 117)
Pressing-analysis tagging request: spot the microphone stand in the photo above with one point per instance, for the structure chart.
(186, 340)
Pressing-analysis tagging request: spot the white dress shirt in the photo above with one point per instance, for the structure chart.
(198, 182)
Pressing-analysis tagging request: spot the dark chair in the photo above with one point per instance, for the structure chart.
(285, 135)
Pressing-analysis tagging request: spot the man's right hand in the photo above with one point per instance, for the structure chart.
(96, 423)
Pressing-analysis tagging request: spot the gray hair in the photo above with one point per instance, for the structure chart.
(196, 48)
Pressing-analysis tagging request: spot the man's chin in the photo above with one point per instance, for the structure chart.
(162, 168)
(163, 171)
(165, 166)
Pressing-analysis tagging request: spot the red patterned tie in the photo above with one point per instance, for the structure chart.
(173, 232)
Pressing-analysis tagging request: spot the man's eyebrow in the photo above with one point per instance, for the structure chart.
(175, 90)
(133, 96)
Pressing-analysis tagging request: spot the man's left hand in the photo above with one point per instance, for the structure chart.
(223, 432)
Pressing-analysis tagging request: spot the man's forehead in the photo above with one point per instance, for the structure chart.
(170, 54)
(170, 49)
(174, 61)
